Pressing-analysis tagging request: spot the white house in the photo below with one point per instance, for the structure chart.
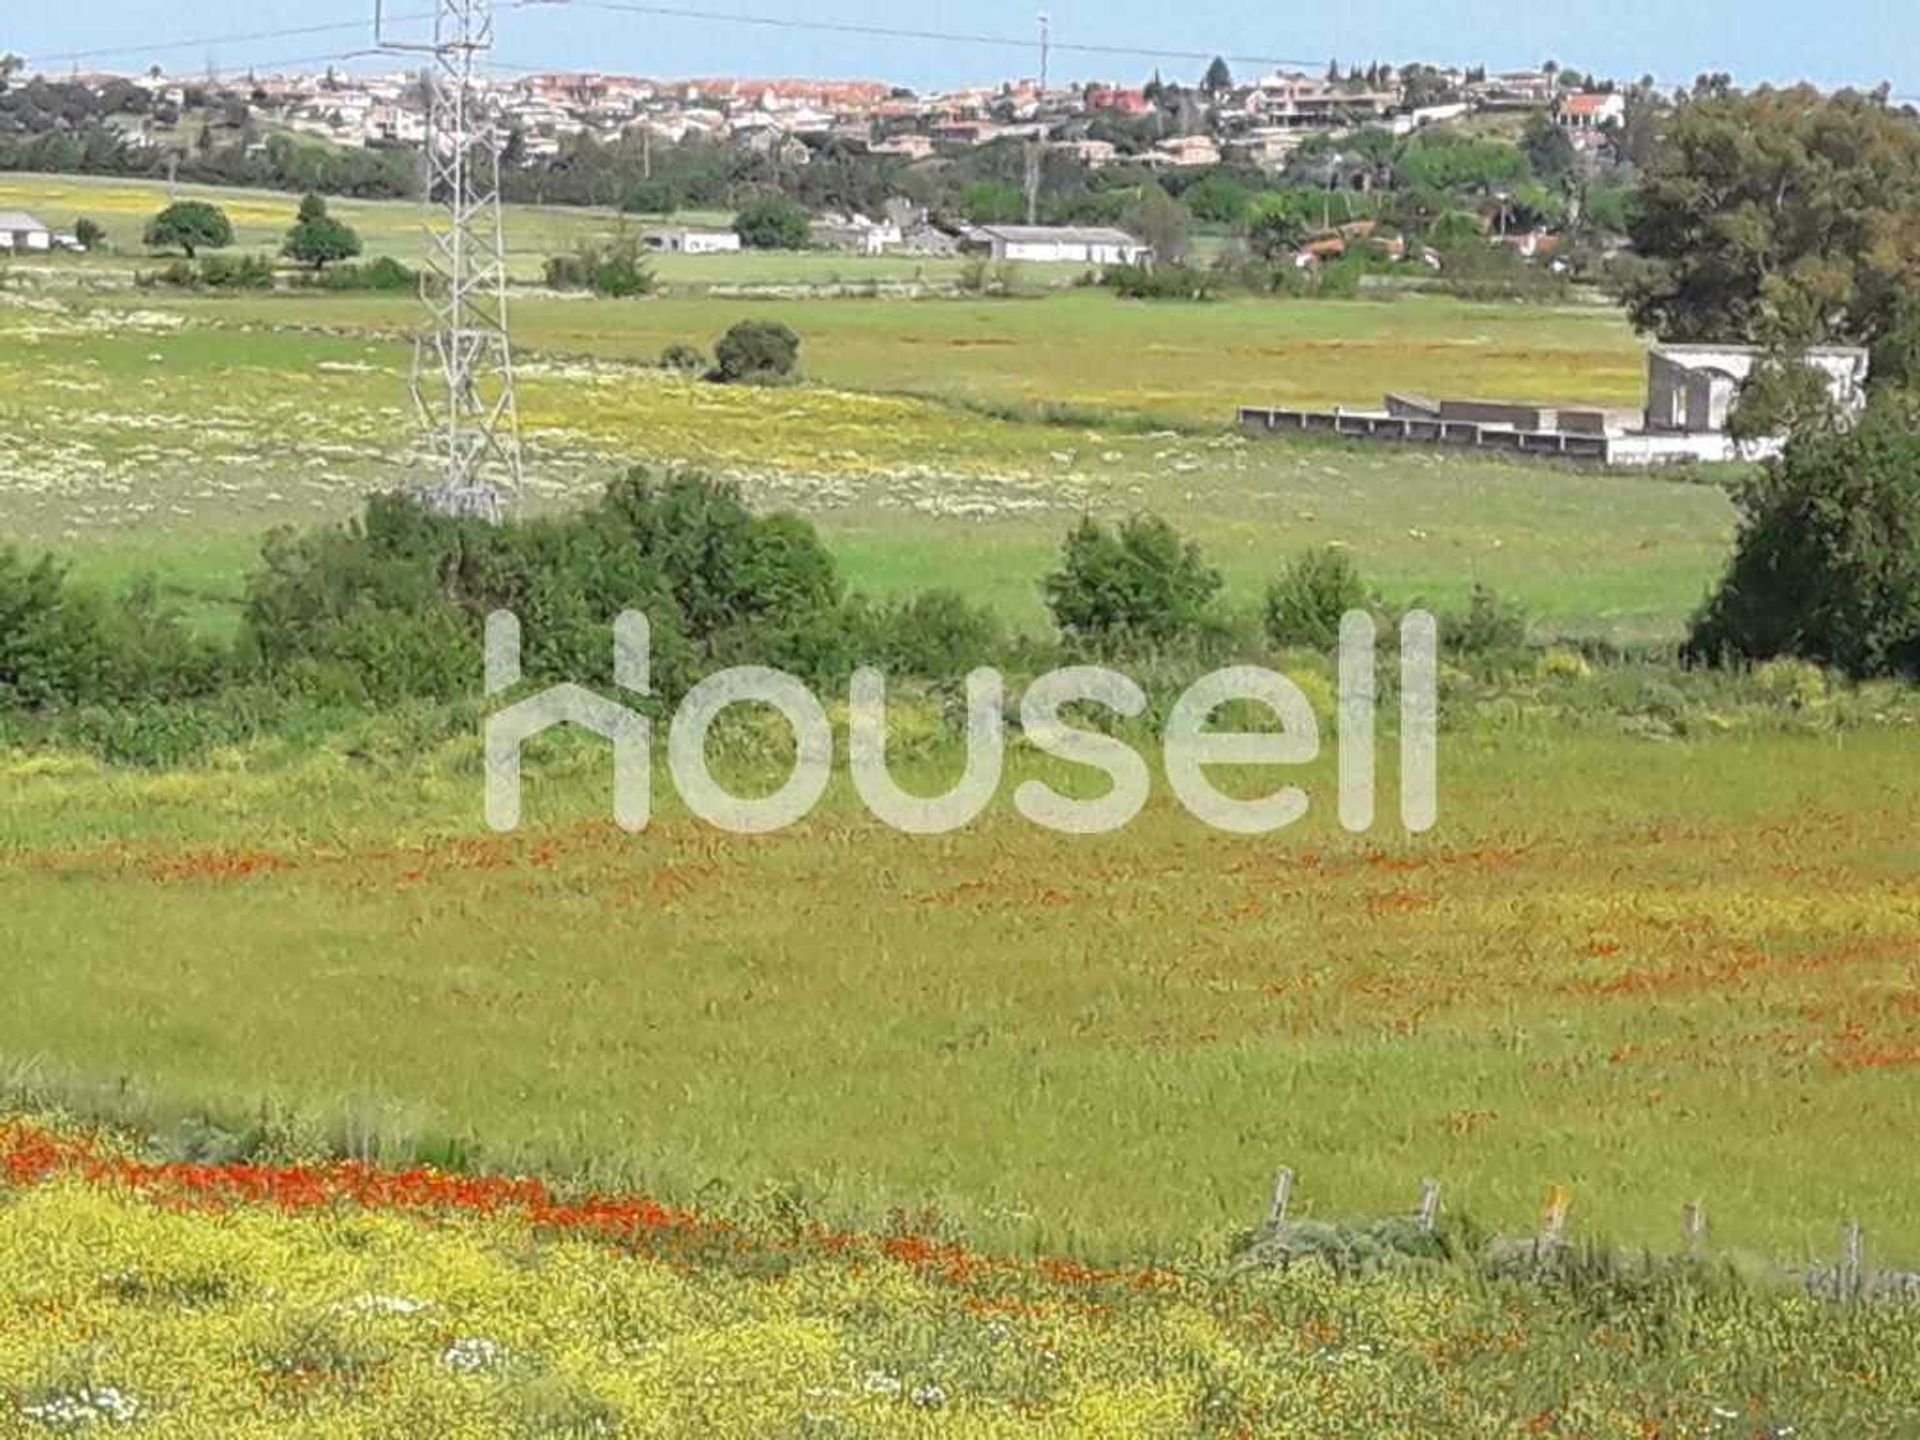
(20, 231)
(683, 241)
(1048, 244)
(1593, 111)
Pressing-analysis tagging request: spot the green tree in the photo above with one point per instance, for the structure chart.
(89, 233)
(1827, 564)
(1275, 230)
(1219, 199)
(756, 350)
(1782, 217)
(772, 223)
(317, 239)
(1308, 600)
(1218, 79)
(1161, 222)
(1135, 584)
(993, 202)
(190, 226)
(1549, 151)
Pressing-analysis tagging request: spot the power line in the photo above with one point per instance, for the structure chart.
(67, 57)
(943, 37)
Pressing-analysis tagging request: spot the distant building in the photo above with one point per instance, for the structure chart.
(683, 241)
(20, 231)
(1118, 102)
(855, 234)
(1591, 112)
(1692, 392)
(1184, 151)
(1693, 389)
(1047, 244)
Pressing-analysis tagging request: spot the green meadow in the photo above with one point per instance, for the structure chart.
(1649, 961)
(939, 440)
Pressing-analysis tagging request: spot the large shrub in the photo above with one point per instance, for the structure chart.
(617, 268)
(1827, 564)
(1132, 585)
(773, 223)
(756, 350)
(393, 606)
(1307, 601)
(63, 645)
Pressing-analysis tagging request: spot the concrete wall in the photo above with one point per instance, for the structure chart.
(1494, 412)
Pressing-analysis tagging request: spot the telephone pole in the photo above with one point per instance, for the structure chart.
(1037, 145)
(462, 379)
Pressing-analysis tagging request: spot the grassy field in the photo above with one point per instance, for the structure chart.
(249, 1299)
(393, 227)
(1651, 971)
(1658, 951)
(150, 430)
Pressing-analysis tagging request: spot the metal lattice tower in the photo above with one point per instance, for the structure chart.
(462, 360)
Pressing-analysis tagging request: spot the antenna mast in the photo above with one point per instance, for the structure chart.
(462, 362)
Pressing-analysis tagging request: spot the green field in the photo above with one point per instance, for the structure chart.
(1650, 972)
(154, 430)
(1653, 961)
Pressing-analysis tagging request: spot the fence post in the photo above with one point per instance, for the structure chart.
(1553, 1217)
(1429, 1205)
(1853, 1254)
(1693, 1225)
(1282, 1193)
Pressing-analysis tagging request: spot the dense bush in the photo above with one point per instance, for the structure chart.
(1160, 282)
(773, 223)
(215, 272)
(755, 350)
(393, 605)
(1135, 585)
(937, 634)
(1827, 564)
(617, 268)
(1308, 600)
(382, 274)
(683, 359)
(64, 645)
(1491, 628)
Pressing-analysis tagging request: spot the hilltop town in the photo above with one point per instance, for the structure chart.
(1260, 121)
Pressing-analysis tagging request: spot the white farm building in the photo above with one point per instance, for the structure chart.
(1049, 244)
(693, 242)
(20, 231)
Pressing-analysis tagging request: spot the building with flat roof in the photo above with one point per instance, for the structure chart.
(1058, 244)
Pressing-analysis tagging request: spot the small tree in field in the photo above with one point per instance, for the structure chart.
(88, 233)
(190, 226)
(1306, 604)
(1136, 584)
(756, 350)
(317, 239)
(774, 223)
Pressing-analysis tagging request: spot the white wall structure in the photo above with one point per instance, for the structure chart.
(1693, 389)
(693, 242)
(1068, 245)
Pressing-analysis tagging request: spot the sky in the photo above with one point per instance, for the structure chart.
(1858, 42)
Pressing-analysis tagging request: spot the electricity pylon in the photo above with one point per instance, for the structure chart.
(462, 360)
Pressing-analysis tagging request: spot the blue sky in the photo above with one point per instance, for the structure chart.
(1840, 41)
